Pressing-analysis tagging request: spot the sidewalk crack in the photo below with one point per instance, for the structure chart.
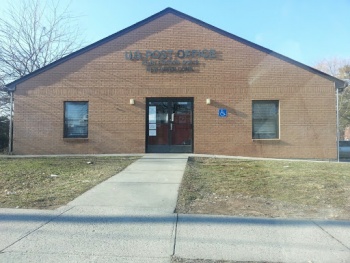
(34, 230)
(348, 248)
(175, 234)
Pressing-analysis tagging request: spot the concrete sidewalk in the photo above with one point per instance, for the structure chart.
(129, 218)
(262, 240)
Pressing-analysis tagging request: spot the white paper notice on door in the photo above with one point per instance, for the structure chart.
(152, 112)
(152, 126)
(152, 132)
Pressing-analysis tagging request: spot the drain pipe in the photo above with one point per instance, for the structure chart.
(346, 84)
(338, 135)
(11, 123)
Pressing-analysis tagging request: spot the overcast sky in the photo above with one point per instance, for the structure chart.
(305, 30)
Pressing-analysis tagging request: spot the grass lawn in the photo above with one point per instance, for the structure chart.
(266, 188)
(48, 183)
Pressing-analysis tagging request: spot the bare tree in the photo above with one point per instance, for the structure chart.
(33, 34)
(339, 68)
(334, 66)
(4, 103)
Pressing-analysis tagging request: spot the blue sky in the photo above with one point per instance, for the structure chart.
(305, 30)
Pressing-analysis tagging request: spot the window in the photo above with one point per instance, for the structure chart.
(265, 119)
(76, 119)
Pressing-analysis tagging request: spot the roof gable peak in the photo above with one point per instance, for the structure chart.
(12, 86)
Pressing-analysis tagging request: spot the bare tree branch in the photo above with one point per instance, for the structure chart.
(32, 35)
(333, 66)
(339, 68)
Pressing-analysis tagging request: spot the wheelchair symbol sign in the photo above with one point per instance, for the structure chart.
(222, 113)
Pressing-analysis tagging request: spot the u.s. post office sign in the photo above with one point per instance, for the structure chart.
(182, 60)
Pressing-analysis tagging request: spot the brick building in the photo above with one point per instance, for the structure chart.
(172, 83)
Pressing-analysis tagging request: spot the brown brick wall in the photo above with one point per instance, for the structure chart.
(237, 76)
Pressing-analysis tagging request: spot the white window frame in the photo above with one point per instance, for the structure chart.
(265, 124)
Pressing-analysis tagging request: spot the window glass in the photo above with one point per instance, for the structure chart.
(76, 119)
(265, 120)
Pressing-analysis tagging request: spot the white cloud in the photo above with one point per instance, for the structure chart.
(259, 38)
(291, 49)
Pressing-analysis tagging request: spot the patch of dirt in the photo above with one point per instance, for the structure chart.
(260, 207)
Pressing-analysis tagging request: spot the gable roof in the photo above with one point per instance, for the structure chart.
(12, 86)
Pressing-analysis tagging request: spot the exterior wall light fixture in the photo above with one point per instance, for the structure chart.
(132, 101)
(208, 101)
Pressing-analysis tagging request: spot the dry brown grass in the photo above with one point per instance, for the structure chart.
(266, 188)
(53, 181)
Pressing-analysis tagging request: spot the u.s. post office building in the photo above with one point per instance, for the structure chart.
(174, 84)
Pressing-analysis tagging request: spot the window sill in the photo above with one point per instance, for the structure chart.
(75, 139)
(277, 139)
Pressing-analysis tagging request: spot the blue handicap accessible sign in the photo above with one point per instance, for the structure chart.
(222, 113)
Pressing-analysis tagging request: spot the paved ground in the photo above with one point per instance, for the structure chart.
(129, 218)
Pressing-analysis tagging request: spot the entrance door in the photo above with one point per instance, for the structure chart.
(169, 125)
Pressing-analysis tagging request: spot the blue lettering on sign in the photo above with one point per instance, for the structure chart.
(222, 113)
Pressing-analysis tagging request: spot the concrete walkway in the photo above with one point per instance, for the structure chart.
(150, 183)
(129, 218)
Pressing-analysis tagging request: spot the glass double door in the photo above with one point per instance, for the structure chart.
(169, 125)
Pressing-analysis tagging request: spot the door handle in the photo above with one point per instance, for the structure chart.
(172, 121)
